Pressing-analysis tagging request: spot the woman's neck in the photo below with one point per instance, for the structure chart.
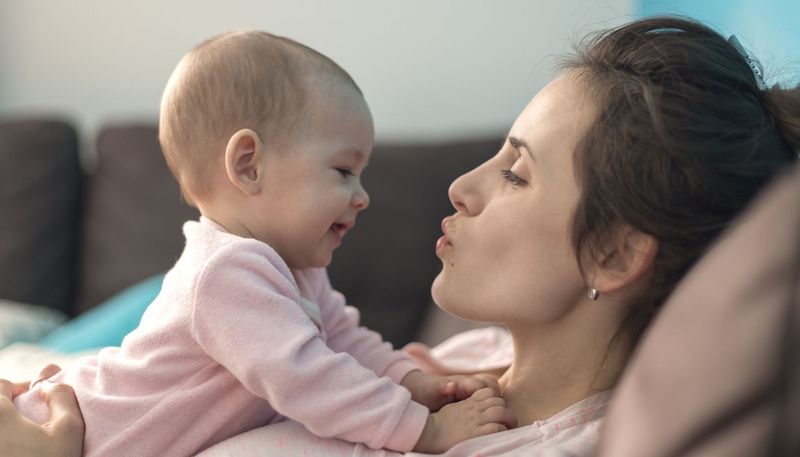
(559, 364)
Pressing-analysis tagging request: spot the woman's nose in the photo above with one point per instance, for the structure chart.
(464, 193)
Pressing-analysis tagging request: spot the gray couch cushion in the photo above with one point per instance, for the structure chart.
(134, 214)
(40, 181)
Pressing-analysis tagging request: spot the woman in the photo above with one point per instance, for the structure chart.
(611, 184)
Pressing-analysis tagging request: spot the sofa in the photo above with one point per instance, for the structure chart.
(76, 228)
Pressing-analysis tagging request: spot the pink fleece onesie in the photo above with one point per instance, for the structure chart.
(231, 344)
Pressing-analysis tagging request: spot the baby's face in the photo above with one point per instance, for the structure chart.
(312, 190)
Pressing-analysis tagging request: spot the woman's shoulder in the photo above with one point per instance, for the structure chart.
(477, 350)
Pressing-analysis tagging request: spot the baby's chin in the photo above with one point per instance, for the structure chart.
(317, 261)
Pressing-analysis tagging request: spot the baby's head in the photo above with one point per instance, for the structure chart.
(268, 138)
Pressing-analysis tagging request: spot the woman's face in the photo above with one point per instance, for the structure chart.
(506, 255)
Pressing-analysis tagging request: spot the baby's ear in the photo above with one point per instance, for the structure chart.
(243, 161)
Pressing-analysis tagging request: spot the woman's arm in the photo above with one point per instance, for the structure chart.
(62, 436)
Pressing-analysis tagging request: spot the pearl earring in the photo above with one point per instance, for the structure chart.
(593, 294)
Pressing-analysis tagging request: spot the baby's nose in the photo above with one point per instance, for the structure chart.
(360, 198)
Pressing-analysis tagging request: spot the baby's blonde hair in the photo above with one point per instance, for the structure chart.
(232, 81)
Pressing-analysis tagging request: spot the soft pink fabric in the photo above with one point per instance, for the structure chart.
(225, 348)
(573, 432)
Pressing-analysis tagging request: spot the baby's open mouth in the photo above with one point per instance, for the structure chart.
(339, 229)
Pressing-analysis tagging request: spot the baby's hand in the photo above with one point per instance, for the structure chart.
(464, 386)
(483, 413)
(435, 391)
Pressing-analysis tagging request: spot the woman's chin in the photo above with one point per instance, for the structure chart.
(437, 290)
(446, 301)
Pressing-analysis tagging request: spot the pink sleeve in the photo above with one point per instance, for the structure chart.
(344, 334)
(290, 439)
(246, 318)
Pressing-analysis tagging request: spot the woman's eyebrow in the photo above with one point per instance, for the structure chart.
(519, 144)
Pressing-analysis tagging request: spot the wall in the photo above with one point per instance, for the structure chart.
(768, 29)
(431, 70)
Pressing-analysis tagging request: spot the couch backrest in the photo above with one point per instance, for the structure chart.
(133, 216)
(40, 188)
(130, 224)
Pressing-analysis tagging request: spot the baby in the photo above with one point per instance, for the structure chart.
(268, 139)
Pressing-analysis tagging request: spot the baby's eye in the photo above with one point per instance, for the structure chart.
(344, 172)
(513, 178)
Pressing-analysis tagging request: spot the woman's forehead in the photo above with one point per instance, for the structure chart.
(560, 113)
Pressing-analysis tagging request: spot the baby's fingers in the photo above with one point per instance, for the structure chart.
(489, 380)
(487, 429)
(447, 387)
(499, 415)
(468, 385)
(485, 393)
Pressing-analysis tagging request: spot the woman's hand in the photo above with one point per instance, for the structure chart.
(61, 436)
(435, 391)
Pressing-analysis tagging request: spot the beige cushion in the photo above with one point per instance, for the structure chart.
(717, 374)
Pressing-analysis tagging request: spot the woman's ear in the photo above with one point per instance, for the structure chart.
(243, 161)
(630, 255)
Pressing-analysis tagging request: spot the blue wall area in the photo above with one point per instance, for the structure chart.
(769, 29)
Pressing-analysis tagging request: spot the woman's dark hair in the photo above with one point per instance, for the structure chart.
(684, 139)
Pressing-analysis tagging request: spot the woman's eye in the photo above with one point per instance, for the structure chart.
(513, 178)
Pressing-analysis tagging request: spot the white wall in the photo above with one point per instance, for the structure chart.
(430, 69)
